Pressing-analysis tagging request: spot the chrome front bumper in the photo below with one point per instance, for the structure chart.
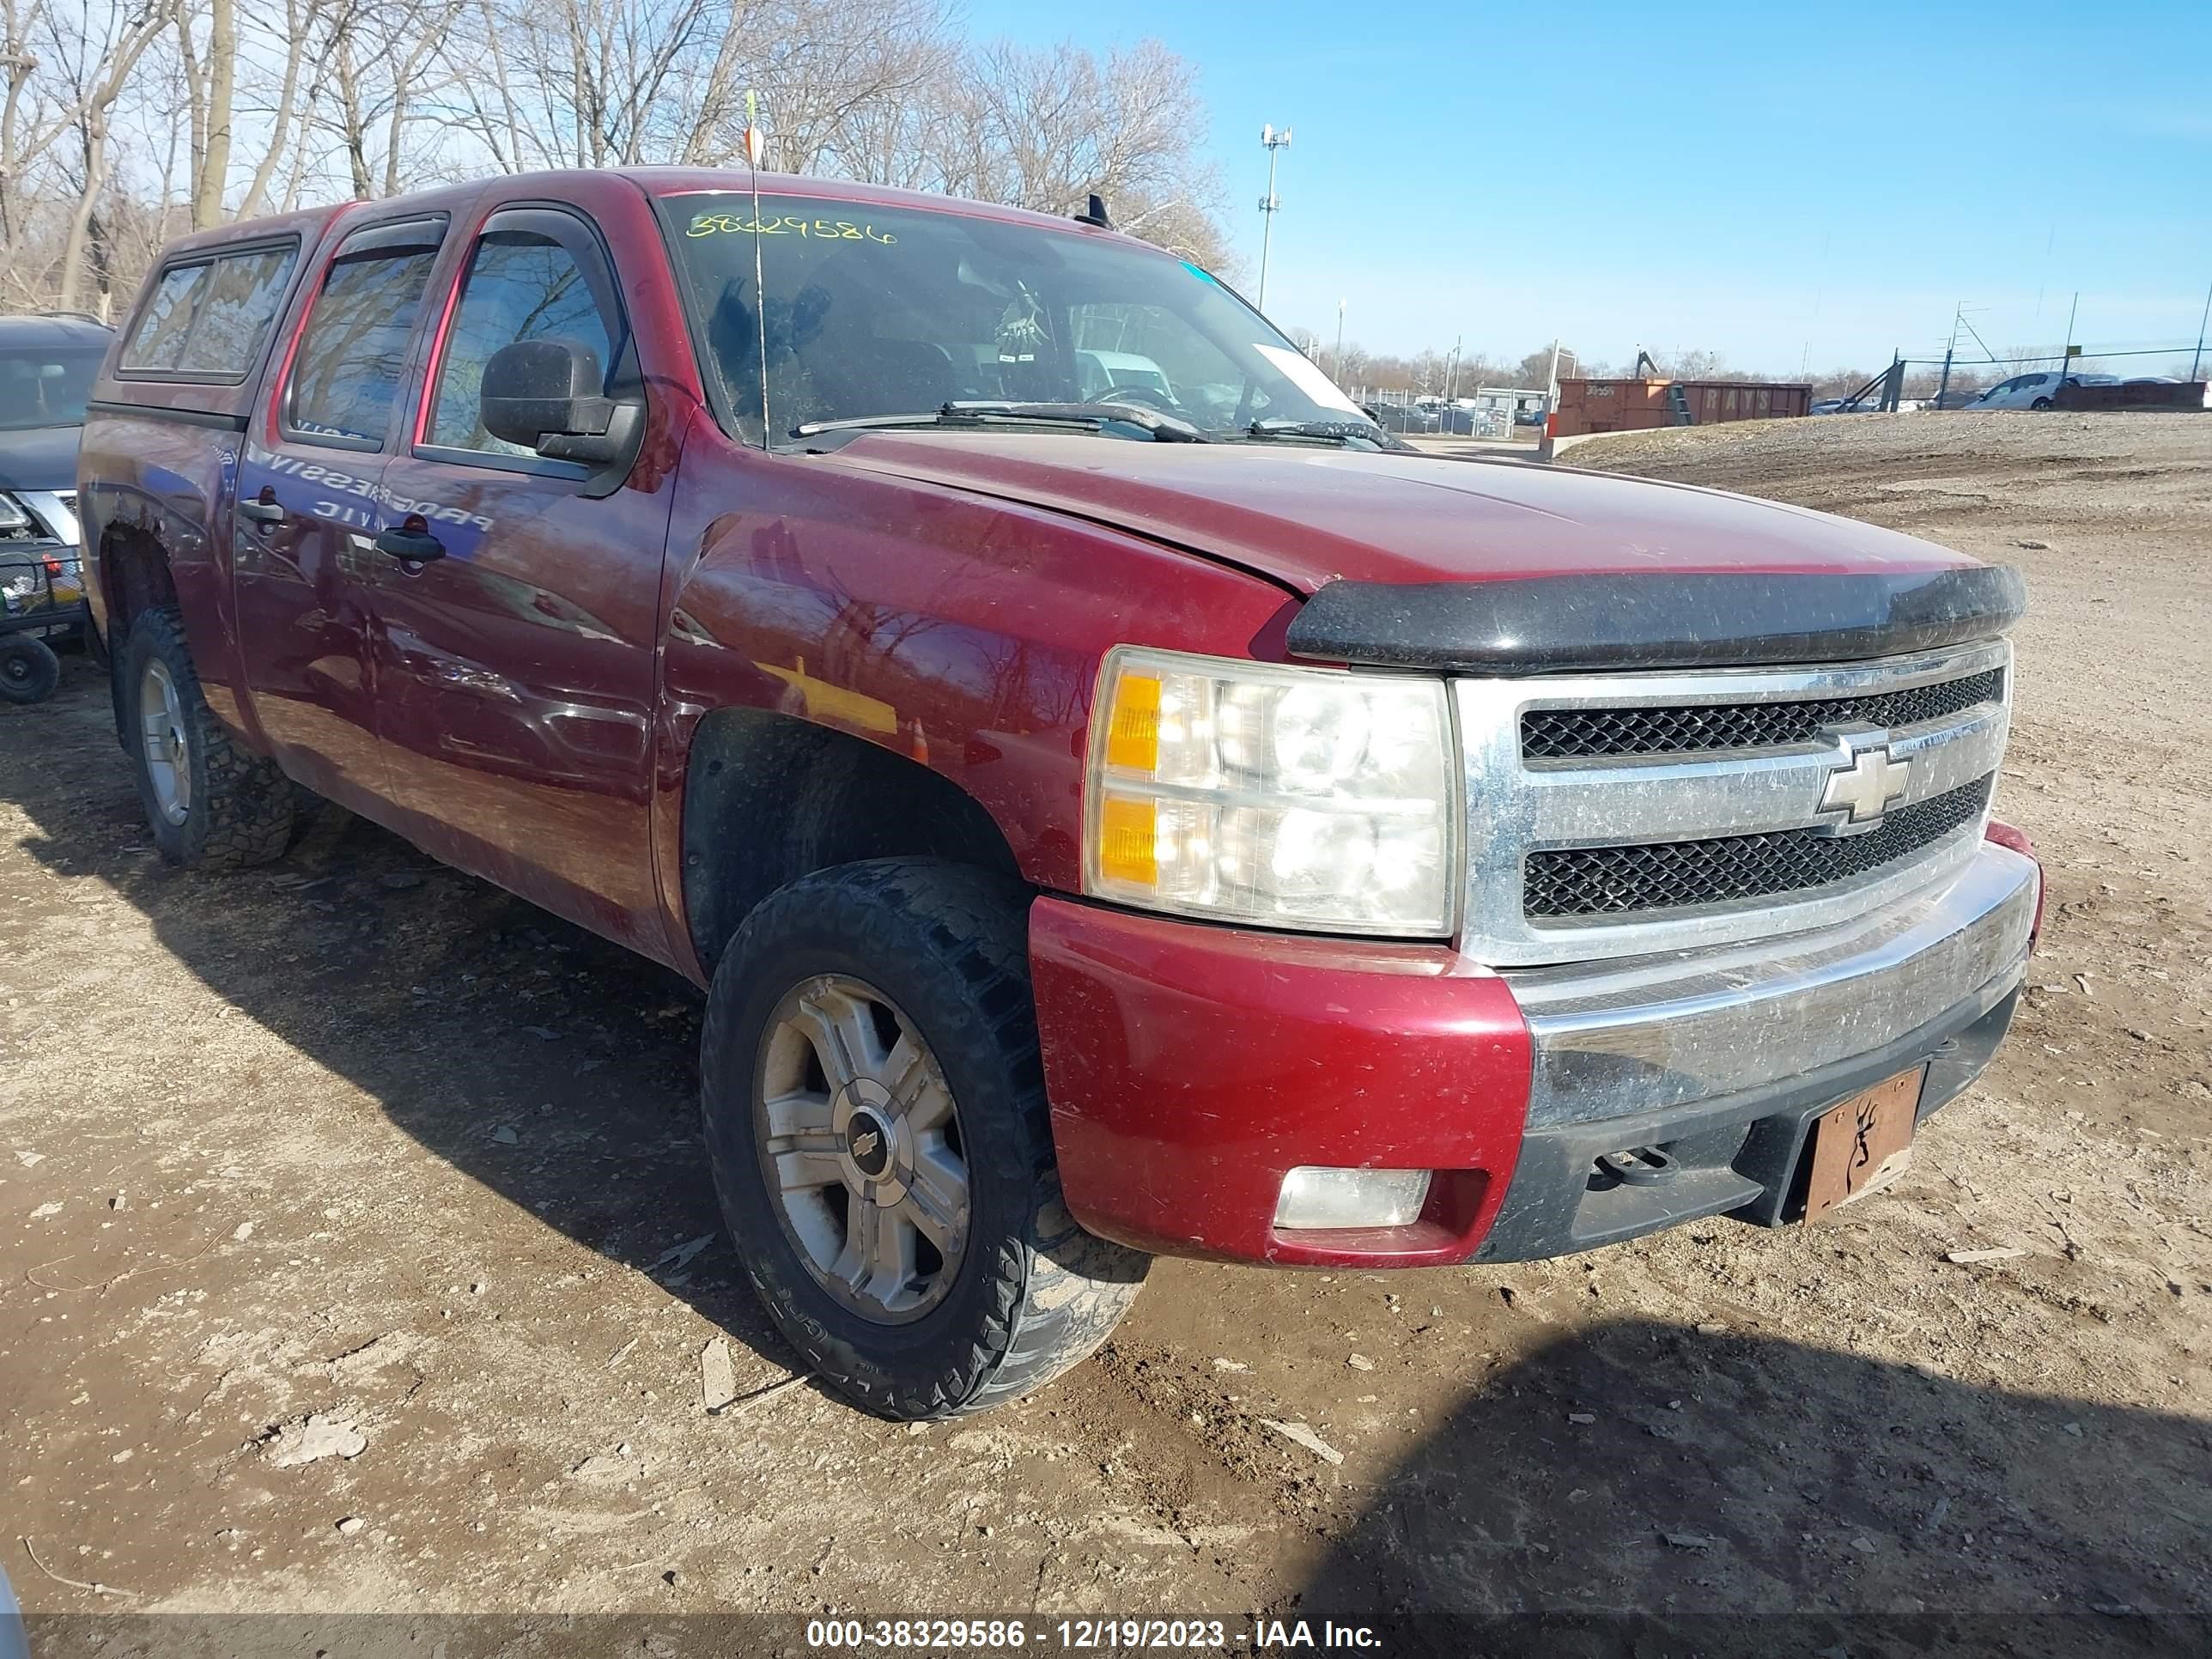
(1724, 1056)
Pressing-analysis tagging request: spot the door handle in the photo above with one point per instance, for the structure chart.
(411, 541)
(263, 508)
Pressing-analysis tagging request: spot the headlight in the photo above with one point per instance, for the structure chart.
(1304, 798)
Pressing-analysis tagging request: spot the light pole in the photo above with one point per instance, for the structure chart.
(1270, 204)
(1337, 367)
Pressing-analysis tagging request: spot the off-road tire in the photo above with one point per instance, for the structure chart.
(1034, 1292)
(240, 810)
(29, 671)
(307, 810)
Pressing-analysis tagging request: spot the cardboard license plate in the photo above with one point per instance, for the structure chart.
(1862, 1144)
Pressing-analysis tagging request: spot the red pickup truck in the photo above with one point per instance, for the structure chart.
(1118, 801)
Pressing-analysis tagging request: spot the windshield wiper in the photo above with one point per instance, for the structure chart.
(1324, 431)
(1164, 427)
(1087, 417)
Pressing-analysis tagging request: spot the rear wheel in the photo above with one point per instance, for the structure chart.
(2040, 403)
(29, 671)
(207, 800)
(876, 1124)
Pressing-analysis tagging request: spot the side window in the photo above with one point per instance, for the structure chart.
(345, 375)
(207, 320)
(521, 285)
(158, 341)
(235, 310)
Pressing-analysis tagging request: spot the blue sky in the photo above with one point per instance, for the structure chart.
(1787, 183)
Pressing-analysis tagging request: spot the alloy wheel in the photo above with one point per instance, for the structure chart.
(167, 750)
(860, 1144)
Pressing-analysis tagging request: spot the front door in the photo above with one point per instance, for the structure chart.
(516, 664)
(305, 512)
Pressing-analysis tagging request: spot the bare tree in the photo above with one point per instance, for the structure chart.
(838, 75)
(379, 76)
(97, 50)
(27, 123)
(128, 117)
(284, 141)
(213, 171)
(582, 82)
(1044, 129)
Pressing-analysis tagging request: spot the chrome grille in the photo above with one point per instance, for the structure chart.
(1665, 839)
(1601, 881)
(1576, 733)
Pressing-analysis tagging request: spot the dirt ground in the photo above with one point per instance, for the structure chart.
(353, 1155)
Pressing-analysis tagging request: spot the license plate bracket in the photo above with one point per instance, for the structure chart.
(1864, 1144)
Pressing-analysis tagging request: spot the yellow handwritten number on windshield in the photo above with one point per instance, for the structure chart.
(821, 230)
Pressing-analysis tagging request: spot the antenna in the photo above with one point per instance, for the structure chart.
(753, 149)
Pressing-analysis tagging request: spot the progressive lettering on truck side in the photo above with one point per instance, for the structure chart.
(306, 472)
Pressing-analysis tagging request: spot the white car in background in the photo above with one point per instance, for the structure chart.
(2034, 391)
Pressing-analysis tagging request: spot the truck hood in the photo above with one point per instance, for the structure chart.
(1307, 517)
(39, 457)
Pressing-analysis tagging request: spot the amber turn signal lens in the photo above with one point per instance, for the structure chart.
(1132, 732)
(1128, 840)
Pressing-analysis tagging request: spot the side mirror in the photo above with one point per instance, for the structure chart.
(546, 395)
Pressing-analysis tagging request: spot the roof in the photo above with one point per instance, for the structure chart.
(656, 182)
(49, 329)
(674, 181)
(304, 220)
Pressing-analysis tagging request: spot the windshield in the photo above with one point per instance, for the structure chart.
(875, 310)
(47, 387)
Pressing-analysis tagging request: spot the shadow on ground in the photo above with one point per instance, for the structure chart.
(1723, 1480)
(557, 1069)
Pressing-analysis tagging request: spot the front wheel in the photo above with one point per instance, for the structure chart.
(207, 800)
(877, 1125)
(2040, 403)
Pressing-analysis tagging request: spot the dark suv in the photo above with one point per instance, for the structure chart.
(48, 365)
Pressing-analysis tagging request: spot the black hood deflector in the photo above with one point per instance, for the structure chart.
(1623, 621)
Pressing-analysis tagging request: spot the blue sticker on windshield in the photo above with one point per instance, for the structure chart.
(1200, 272)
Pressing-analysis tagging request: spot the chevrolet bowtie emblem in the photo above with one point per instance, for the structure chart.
(865, 1144)
(1867, 785)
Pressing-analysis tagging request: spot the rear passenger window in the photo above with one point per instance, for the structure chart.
(207, 320)
(345, 376)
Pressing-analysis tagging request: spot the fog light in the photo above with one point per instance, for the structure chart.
(1314, 1196)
